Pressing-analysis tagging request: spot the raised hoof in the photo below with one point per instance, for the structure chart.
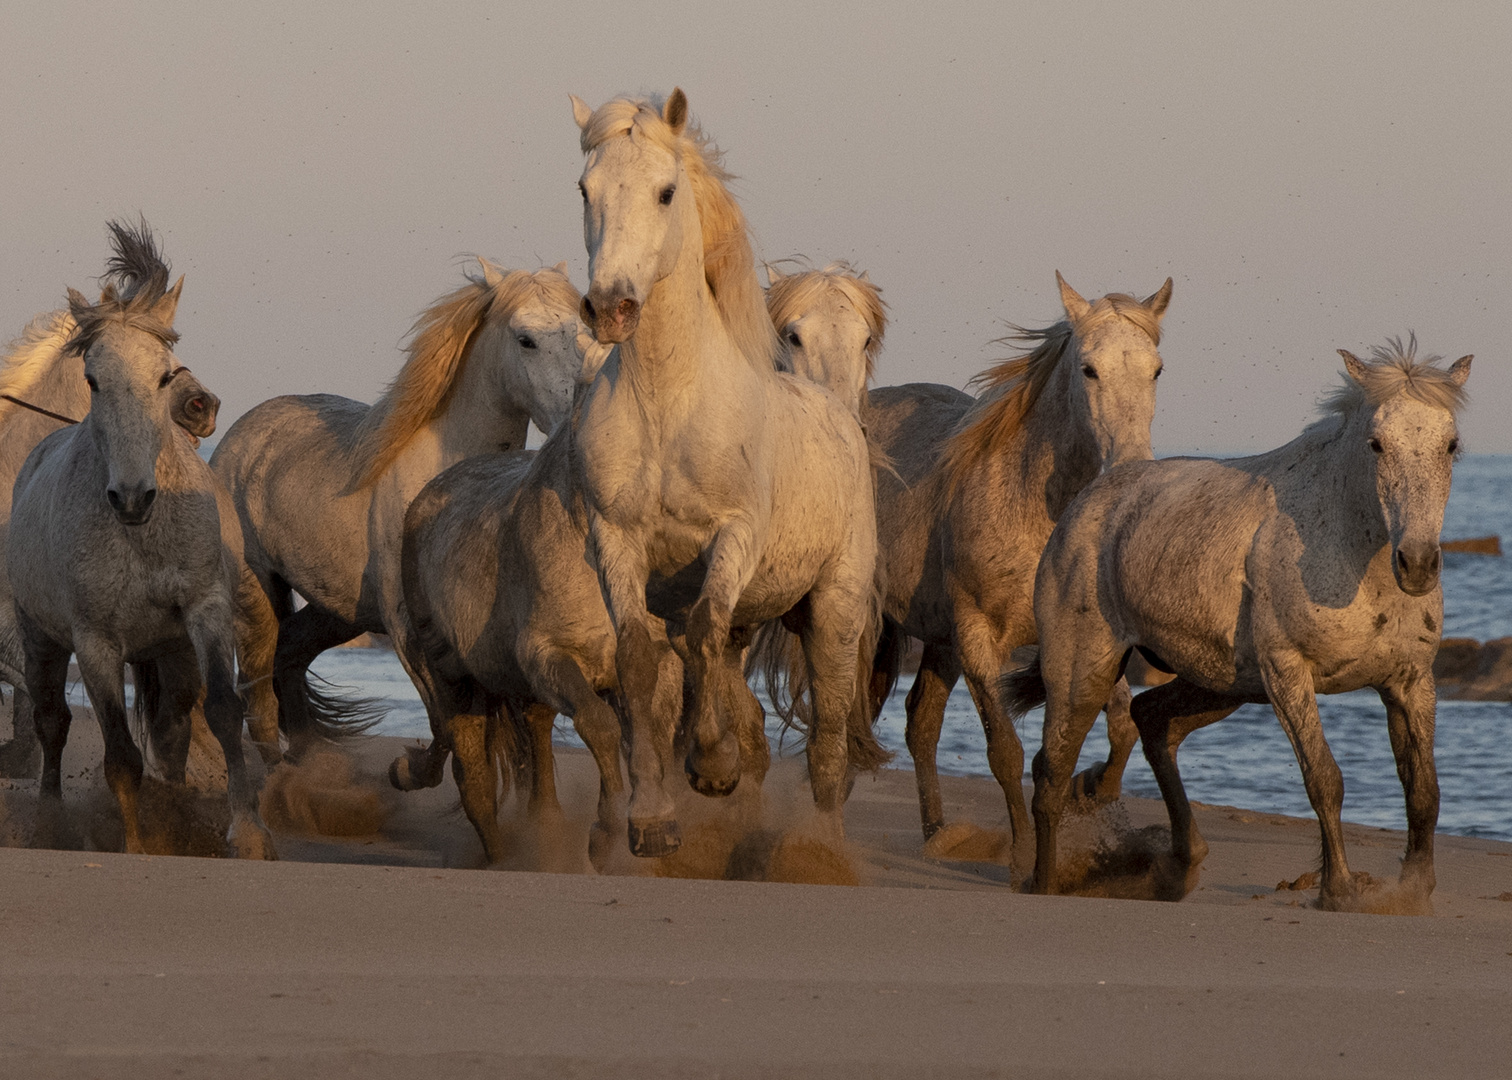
(404, 773)
(21, 759)
(250, 839)
(1091, 786)
(653, 839)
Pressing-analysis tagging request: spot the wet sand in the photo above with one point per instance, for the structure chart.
(387, 955)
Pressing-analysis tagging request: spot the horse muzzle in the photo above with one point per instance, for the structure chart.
(1417, 568)
(132, 503)
(613, 318)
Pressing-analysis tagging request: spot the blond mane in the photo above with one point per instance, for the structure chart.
(32, 356)
(1395, 368)
(1011, 387)
(440, 343)
(790, 296)
(729, 265)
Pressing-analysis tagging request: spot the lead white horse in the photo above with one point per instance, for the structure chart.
(127, 552)
(322, 482)
(717, 492)
(1311, 569)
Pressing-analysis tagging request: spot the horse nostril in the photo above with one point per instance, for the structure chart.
(627, 308)
(148, 497)
(114, 498)
(588, 313)
(1401, 558)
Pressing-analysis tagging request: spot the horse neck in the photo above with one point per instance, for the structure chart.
(478, 417)
(1057, 452)
(680, 338)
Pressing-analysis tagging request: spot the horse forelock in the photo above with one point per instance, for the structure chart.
(1395, 368)
(136, 278)
(729, 263)
(440, 343)
(790, 296)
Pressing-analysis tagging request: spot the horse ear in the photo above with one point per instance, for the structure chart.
(774, 275)
(675, 111)
(1354, 365)
(1158, 301)
(166, 307)
(1076, 307)
(78, 303)
(581, 112)
(1459, 371)
(492, 275)
(865, 276)
(561, 267)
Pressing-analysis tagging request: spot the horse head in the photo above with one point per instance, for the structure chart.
(530, 341)
(831, 323)
(1114, 345)
(1407, 437)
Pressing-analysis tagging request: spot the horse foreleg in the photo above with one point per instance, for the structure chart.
(1410, 713)
(477, 779)
(1288, 683)
(938, 672)
(21, 754)
(257, 614)
(713, 762)
(831, 642)
(47, 681)
(102, 666)
(599, 729)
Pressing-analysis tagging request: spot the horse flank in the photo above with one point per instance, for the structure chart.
(439, 346)
(1011, 388)
(729, 265)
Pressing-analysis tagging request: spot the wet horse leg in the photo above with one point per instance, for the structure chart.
(831, 643)
(259, 607)
(713, 762)
(599, 728)
(1288, 682)
(1163, 717)
(939, 670)
(20, 755)
(47, 680)
(1410, 714)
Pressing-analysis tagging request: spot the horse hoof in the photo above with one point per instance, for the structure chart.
(21, 759)
(251, 840)
(600, 845)
(713, 787)
(399, 774)
(653, 839)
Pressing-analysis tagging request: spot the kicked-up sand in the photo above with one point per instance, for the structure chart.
(377, 948)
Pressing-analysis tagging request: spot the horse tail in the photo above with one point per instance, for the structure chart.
(148, 696)
(510, 747)
(777, 657)
(887, 664)
(329, 715)
(1024, 689)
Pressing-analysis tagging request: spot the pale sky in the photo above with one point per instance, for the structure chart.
(1313, 175)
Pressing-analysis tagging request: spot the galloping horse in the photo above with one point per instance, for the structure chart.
(507, 606)
(1311, 569)
(322, 482)
(131, 555)
(978, 486)
(717, 492)
(42, 389)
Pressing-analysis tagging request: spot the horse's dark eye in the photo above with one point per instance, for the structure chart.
(666, 194)
(1375, 446)
(1454, 446)
(794, 340)
(166, 379)
(93, 386)
(527, 342)
(868, 342)
(1159, 371)
(1089, 371)
(582, 191)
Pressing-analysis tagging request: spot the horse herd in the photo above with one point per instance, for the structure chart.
(719, 492)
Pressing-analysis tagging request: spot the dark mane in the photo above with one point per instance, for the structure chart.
(136, 278)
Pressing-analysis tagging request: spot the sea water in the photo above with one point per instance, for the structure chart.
(1245, 760)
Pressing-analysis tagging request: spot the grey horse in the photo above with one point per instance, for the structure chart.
(1311, 569)
(125, 550)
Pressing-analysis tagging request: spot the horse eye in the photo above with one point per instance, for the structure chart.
(93, 386)
(1159, 371)
(527, 342)
(166, 379)
(1375, 446)
(1454, 446)
(583, 191)
(794, 340)
(666, 194)
(868, 342)
(1089, 371)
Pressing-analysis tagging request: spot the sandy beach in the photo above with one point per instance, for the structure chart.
(386, 955)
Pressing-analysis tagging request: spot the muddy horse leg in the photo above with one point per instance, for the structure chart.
(1103, 782)
(1410, 708)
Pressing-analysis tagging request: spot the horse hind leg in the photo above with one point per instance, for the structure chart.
(1164, 716)
(473, 768)
(1103, 782)
(21, 754)
(938, 673)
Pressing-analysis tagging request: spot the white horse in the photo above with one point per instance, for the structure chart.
(322, 482)
(126, 550)
(976, 488)
(508, 609)
(717, 491)
(42, 389)
(1311, 569)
